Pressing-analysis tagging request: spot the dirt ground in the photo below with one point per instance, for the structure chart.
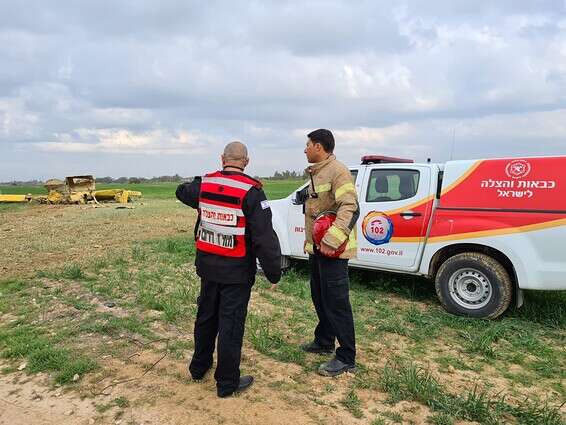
(31, 242)
(44, 236)
(164, 395)
(160, 399)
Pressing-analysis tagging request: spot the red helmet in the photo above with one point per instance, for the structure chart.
(321, 225)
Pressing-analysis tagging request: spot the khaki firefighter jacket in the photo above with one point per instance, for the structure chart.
(335, 191)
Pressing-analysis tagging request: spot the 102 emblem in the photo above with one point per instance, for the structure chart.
(377, 228)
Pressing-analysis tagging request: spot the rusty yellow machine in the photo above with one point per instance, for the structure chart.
(75, 190)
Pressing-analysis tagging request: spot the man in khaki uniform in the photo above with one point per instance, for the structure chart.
(331, 189)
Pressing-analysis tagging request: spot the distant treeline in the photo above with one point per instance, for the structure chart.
(23, 183)
(120, 180)
(279, 175)
(136, 180)
(289, 175)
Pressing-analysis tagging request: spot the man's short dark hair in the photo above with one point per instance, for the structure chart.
(324, 137)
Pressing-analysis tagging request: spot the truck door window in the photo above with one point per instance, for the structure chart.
(392, 185)
(354, 174)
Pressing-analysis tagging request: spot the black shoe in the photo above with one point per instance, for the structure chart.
(246, 381)
(313, 347)
(335, 367)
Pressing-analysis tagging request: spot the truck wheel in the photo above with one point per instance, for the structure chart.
(474, 284)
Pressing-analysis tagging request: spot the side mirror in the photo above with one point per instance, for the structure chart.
(301, 196)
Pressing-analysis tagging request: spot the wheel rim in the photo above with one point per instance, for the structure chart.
(470, 288)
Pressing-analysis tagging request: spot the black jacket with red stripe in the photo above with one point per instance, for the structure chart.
(261, 241)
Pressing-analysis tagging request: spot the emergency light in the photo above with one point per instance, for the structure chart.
(380, 159)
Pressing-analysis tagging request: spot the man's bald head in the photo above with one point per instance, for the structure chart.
(235, 154)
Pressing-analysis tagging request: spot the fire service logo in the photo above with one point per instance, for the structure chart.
(377, 228)
(518, 169)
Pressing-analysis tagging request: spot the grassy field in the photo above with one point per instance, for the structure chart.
(417, 364)
(274, 189)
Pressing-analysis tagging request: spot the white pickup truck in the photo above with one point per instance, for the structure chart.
(482, 230)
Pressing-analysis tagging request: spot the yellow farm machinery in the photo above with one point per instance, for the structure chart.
(75, 190)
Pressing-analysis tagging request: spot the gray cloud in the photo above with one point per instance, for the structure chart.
(147, 87)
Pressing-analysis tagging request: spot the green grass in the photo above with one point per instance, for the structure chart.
(440, 419)
(396, 317)
(353, 404)
(77, 302)
(12, 207)
(393, 417)
(107, 324)
(277, 189)
(22, 190)
(411, 382)
(73, 272)
(274, 189)
(266, 338)
(456, 362)
(148, 190)
(122, 402)
(29, 343)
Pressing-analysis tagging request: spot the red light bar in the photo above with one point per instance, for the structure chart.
(380, 159)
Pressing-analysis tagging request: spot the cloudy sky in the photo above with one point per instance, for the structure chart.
(145, 88)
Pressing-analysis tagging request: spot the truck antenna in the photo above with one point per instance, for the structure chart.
(453, 143)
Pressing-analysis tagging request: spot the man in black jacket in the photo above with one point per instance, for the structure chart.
(233, 229)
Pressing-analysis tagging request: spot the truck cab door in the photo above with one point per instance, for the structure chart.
(395, 207)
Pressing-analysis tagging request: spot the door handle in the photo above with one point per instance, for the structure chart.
(410, 214)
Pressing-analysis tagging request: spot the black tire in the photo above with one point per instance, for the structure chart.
(475, 285)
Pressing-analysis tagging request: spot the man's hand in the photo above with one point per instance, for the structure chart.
(326, 250)
(305, 246)
(273, 287)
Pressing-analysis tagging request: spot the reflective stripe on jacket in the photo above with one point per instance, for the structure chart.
(335, 191)
(222, 226)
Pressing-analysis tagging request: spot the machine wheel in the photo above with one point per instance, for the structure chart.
(474, 284)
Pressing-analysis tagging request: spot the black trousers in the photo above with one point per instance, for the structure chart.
(222, 310)
(330, 292)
